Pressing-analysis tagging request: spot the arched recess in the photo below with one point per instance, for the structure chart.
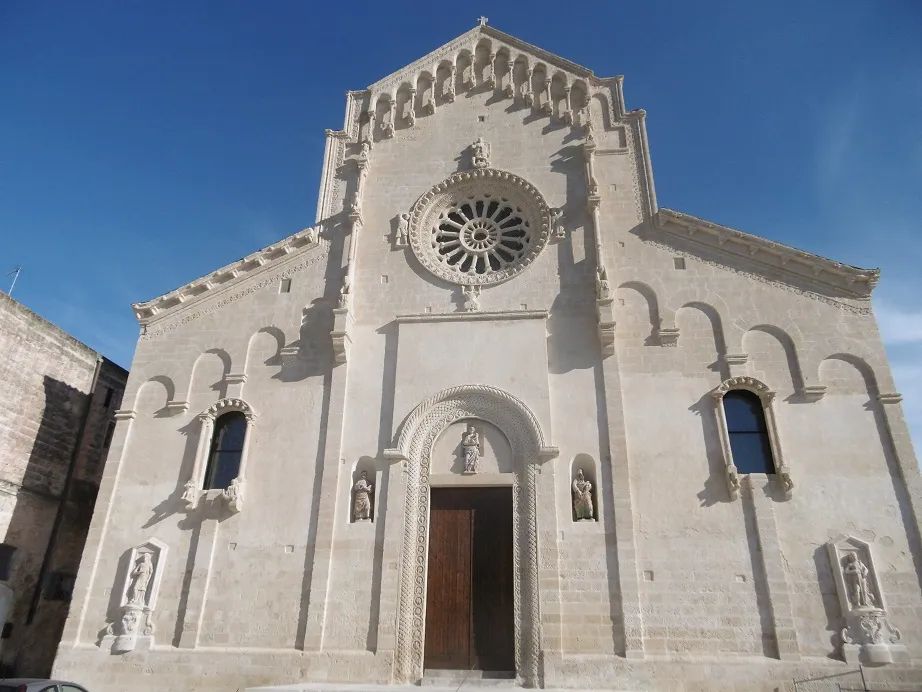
(717, 331)
(786, 342)
(859, 364)
(418, 434)
(648, 296)
(208, 373)
(264, 349)
(600, 109)
(154, 395)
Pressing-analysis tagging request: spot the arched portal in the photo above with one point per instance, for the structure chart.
(418, 434)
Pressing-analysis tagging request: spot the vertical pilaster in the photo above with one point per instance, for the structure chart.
(198, 585)
(779, 591)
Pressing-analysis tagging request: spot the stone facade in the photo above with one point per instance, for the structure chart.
(59, 399)
(489, 251)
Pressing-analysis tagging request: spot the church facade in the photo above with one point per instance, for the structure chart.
(499, 412)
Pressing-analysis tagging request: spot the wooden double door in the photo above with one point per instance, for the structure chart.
(469, 593)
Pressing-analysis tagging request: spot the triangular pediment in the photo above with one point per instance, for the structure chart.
(773, 261)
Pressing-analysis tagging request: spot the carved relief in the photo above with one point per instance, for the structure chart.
(401, 238)
(480, 153)
(139, 588)
(868, 636)
(233, 495)
(471, 298)
(362, 504)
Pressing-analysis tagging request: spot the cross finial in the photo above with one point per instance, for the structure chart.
(483, 21)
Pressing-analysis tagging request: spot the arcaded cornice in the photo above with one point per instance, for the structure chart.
(781, 258)
(226, 277)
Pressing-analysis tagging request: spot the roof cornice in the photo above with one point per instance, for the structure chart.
(226, 277)
(857, 282)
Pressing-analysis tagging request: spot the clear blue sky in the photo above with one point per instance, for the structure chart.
(145, 144)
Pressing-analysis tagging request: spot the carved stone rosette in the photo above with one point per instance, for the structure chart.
(868, 638)
(139, 586)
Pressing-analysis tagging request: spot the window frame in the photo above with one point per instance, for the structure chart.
(782, 474)
(233, 494)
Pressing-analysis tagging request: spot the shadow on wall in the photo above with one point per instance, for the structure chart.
(30, 647)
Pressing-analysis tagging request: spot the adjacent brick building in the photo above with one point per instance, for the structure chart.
(57, 399)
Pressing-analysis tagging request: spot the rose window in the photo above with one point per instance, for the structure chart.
(479, 227)
(480, 234)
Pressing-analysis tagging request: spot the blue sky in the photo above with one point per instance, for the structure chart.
(143, 145)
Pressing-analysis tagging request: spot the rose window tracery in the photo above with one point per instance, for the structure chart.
(479, 227)
(480, 234)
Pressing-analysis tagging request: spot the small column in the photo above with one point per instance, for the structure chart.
(411, 108)
(193, 489)
(509, 91)
(387, 127)
(527, 93)
(547, 106)
(370, 136)
(491, 71)
(450, 85)
(568, 112)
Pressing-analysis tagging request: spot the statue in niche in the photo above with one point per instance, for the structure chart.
(361, 508)
(856, 581)
(602, 290)
(582, 498)
(470, 441)
(481, 153)
(403, 229)
(140, 578)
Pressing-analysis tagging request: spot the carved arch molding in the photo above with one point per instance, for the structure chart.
(419, 433)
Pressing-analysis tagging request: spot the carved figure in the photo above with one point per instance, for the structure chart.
(556, 225)
(856, 580)
(311, 235)
(190, 493)
(361, 509)
(733, 480)
(593, 188)
(470, 441)
(130, 620)
(403, 229)
(345, 292)
(787, 482)
(481, 153)
(140, 578)
(471, 298)
(233, 494)
(602, 290)
(582, 497)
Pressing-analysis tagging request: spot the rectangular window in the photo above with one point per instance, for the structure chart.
(285, 286)
(108, 402)
(6, 560)
(110, 431)
(59, 586)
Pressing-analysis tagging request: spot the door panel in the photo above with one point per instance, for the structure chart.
(469, 594)
(448, 592)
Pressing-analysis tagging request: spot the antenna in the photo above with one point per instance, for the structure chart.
(15, 275)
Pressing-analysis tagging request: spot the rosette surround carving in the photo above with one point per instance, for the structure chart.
(479, 227)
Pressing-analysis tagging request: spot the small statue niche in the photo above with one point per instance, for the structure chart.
(868, 636)
(139, 585)
(583, 497)
(362, 498)
(472, 450)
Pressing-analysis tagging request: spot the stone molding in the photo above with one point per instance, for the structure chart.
(229, 276)
(473, 316)
(439, 197)
(767, 397)
(418, 434)
(232, 495)
(851, 281)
